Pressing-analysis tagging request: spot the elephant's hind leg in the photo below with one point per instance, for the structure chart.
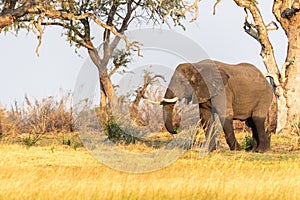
(251, 124)
(229, 135)
(262, 139)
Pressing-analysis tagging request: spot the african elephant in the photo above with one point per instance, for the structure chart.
(231, 91)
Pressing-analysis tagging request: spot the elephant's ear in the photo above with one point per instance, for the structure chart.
(207, 80)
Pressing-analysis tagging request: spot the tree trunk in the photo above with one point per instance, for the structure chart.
(108, 88)
(103, 97)
(0, 124)
(105, 82)
(289, 101)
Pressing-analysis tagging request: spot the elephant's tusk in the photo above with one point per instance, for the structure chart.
(164, 100)
(154, 102)
(173, 100)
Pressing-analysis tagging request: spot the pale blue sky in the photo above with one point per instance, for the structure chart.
(57, 67)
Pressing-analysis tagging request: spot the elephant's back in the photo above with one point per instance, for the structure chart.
(246, 75)
(242, 73)
(249, 69)
(232, 69)
(241, 69)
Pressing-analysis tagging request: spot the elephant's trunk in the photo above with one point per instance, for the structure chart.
(168, 112)
(168, 118)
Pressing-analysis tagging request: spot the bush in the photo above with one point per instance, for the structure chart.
(120, 133)
(296, 133)
(38, 117)
(30, 140)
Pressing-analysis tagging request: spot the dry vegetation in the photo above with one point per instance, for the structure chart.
(32, 119)
(57, 166)
(60, 172)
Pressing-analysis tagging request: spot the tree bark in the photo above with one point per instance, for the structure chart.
(103, 98)
(0, 124)
(292, 73)
(287, 14)
(105, 82)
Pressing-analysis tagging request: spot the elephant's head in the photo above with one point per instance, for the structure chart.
(197, 83)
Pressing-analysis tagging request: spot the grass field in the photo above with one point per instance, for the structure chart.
(61, 172)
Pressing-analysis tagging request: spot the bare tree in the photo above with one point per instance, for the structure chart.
(149, 80)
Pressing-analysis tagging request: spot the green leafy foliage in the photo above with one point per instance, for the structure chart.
(120, 133)
(248, 142)
(30, 140)
(176, 129)
(72, 141)
(63, 13)
(121, 57)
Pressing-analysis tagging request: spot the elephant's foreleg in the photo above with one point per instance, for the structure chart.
(229, 135)
(207, 123)
(205, 115)
(212, 133)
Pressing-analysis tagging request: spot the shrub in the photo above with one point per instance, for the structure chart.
(248, 143)
(296, 133)
(30, 140)
(120, 132)
(38, 117)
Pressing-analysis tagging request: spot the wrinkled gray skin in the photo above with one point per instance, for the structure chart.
(232, 91)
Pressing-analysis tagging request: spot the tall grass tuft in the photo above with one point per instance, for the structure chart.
(296, 133)
(34, 118)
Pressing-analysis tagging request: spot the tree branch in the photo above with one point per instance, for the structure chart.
(64, 25)
(284, 12)
(194, 6)
(269, 28)
(7, 17)
(274, 77)
(249, 28)
(106, 35)
(38, 26)
(9, 14)
(261, 35)
(148, 80)
(284, 68)
(215, 6)
(107, 47)
(288, 13)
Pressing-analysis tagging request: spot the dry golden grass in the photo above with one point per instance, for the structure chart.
(60, 172)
